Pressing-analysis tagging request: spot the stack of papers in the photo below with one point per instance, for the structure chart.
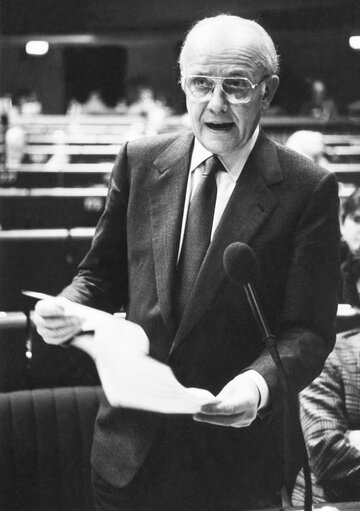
(129, 376)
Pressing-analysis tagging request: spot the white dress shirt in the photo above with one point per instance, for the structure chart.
(226, 182)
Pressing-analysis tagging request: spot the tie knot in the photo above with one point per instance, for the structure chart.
(212, 165)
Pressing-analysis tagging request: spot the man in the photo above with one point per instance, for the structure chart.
(350, 249)
(348, 316)
(330, 416)
(197, 321)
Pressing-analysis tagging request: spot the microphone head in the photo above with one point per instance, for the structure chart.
(240, 263)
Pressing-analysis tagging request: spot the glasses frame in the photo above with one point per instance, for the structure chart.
(220, 79)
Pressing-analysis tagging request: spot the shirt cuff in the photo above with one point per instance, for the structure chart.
(262, 386)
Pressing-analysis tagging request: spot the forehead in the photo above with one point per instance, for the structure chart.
(222, 50)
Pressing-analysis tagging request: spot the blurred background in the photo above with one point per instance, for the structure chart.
(109, 46)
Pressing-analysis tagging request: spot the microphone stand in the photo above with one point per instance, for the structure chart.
(269, 340)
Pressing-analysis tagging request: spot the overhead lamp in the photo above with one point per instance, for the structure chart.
(37, 47)
(354, 42)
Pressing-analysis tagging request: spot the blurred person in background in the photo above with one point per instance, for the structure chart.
(16, 142)
(309, 143)
(320, 105)
(330, 417)
(26, 102)
(350, 249)
(142, 100)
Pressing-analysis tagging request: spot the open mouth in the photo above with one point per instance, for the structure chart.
(220, 126)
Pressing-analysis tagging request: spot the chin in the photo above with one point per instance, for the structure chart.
(219, 142)
(218, 146)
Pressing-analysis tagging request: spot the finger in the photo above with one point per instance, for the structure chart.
(234, 405)
(58, 335)
(55, 321)
(50, 307)
(235, 421)
(54, 337)
(49, 322)
(59, 332)
(221, 408)
(229, 409)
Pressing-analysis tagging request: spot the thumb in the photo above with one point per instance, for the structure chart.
(51, 307)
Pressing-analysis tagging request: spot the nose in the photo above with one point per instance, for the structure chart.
(217, 102)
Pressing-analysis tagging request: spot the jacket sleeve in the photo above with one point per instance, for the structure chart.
(102, 276)
(305, 332)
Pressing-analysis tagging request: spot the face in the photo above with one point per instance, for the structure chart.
(350, 230)
(220, 126)
(318, 91)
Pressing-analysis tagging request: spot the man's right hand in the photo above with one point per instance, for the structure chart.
(53, 321)
(354, 438)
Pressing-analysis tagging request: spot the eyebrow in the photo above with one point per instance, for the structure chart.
(233, 75)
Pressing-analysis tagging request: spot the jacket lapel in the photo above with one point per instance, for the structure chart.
(249, 206)
(167, 194)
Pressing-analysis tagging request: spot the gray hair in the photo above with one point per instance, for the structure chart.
(269, 58)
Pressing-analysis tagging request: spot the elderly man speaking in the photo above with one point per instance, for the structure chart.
(175, 203)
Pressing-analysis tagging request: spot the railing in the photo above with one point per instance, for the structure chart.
(65, 170)
(12, 320)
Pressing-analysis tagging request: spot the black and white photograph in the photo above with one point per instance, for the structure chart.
(179, 255)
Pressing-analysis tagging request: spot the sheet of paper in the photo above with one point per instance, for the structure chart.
(148, 385)
(132, 379)
(89, 315)
(129, 376)
(344, 309)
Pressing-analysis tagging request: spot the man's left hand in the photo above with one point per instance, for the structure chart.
(236, 405)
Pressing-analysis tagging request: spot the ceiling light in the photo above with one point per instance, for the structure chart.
(37, 47)
(354, 42)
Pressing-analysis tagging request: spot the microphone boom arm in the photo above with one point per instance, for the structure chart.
(256, 310)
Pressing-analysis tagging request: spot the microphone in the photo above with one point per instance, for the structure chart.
(240, 263)
(241, 267)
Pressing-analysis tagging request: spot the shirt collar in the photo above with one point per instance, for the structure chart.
(200, 154)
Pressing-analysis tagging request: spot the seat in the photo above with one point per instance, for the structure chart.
(46, 366)
(45, 445)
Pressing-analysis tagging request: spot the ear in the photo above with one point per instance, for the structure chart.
(271, 85)
(342, 230)
(182, 82)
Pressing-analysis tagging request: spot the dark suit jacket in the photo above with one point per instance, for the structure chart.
(286, 209)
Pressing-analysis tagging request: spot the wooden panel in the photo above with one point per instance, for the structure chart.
(67, 16)
(43, 262)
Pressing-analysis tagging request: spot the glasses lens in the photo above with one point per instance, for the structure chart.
(199, 86)
(237, 89)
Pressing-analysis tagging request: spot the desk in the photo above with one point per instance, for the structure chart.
(45, 208)
(39, 259)
(329, 506)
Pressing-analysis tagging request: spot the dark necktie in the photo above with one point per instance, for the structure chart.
(197, 233)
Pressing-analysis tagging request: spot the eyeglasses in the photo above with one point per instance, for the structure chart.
(237, 89)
